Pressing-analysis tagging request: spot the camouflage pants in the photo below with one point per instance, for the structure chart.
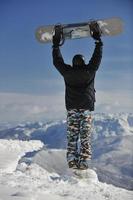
(78, 134)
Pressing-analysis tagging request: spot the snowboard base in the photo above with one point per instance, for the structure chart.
(108, 27)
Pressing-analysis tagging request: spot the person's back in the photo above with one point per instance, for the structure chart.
(79, 98)
(80, 92)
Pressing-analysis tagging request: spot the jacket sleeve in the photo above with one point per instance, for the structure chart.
(96, 57)
(58, 60)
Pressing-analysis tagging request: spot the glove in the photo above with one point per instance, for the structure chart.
(57, 36)
(56, 41)
(95, 31)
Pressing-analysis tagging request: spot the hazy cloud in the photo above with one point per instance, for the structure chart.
(114, 101)
(22, 107)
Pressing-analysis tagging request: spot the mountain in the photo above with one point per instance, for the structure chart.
(112, 140)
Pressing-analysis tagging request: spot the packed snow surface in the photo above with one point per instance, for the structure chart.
(33, 182)
(33, 162)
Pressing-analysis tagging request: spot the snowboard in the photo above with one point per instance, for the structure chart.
(108, 27)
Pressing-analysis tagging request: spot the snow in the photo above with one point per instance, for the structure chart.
(30, 171)
(103, 24)
(46, 36)
(36, 181)
(12, 150)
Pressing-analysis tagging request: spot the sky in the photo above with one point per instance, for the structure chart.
(30, 86)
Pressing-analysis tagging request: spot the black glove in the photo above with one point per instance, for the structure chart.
(57, 36)
(95, 31)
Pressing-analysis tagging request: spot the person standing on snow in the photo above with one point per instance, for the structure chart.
(79, 98)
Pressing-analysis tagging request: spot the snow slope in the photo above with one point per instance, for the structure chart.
(33, 164)
(112, 141)
(12, 150)
(49, 181)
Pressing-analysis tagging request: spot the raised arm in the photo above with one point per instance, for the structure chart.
(97, 54)
(58, 60)
(95, 60)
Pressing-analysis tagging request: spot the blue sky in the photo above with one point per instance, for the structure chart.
(26, 70)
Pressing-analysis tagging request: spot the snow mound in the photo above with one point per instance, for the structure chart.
(42, 184)
(88, 175)
(12, 150)
(48, 177)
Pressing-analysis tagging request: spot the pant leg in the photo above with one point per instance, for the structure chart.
(85, 135)
(72, 134)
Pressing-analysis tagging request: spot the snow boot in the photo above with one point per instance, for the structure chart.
(83, 164)
(73, 164)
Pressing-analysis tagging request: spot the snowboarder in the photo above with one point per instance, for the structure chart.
(79, 98)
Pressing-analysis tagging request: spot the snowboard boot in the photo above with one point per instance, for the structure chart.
(83, 164)
(73, 164)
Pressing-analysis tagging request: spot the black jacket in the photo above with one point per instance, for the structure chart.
(79, 82)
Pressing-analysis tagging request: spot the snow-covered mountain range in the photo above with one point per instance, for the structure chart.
(39, 149)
